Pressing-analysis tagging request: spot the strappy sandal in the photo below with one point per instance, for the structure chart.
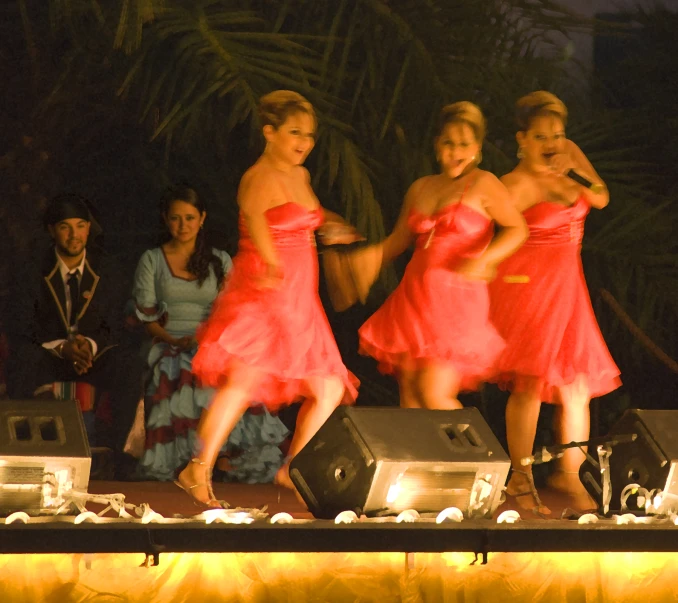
(539, 509)
(282, 479)
(212, 502)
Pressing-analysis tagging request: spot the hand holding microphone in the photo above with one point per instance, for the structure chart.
(561, 164)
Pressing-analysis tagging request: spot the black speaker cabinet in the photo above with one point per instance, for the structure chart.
(649, 461)
(44, 453)
(380, 461)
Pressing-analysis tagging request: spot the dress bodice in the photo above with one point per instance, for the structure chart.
(183, 302)
(553, 223)
(291, 225)
(456, 229)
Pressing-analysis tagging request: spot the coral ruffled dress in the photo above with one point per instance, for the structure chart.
(436, 315)
(540, 304)
(283, 332)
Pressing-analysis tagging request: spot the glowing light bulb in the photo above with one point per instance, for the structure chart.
(346, 517)
(408, 516)
(509, 517)
(393, 493)
(452, 514)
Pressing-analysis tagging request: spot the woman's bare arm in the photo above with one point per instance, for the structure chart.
(584, 168)
(498, 203)
(401, 236)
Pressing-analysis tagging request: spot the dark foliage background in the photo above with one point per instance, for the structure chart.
(115, 100)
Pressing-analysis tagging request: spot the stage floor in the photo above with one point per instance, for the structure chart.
(183, 559)
(168, 500)
(184, 528)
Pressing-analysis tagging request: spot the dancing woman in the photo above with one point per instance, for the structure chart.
(433, 332)
(539, 301)
(267, 338)
(174, 287)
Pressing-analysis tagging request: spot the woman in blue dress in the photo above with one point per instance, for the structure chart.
(174, 287)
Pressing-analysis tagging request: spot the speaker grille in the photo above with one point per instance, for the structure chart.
(435, 490)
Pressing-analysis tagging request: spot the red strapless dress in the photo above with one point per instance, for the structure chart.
(284, 332)
(540, 304)
(435, 314)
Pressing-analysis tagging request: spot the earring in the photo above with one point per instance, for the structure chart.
(201, 225)
(521, 153)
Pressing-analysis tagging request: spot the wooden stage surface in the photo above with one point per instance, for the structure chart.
(185, 560)
(168, 500)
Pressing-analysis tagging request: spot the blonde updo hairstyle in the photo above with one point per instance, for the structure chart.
(463, 112)
(275, 107)
(539, 104)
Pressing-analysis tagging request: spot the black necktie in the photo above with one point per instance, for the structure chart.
(74, 291)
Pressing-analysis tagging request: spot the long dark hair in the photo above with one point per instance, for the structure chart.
(202, 257)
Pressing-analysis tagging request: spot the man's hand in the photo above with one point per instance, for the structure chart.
(78, 351)
(335, 233)
(187, 342)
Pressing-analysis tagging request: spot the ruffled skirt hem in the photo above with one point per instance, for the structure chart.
(551, 389)
(472, 373)
(275, 387)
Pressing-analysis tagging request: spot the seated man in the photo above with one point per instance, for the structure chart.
(66, 323)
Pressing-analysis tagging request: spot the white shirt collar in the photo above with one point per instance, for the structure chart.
(64, 270)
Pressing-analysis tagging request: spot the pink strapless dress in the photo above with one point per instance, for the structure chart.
(548, 322)
(435, 315)
(283, 332)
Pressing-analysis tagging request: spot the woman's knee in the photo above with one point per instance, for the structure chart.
(575, 395)
(435, 397)
(328, 392)
(523, 400)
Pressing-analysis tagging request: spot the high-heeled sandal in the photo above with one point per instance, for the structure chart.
(282, 479)
(212, 502)
(539, 509)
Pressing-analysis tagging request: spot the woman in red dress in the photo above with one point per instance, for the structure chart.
(267, 338)
(433, 332)
(540, 304)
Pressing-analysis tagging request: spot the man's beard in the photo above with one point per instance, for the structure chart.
(63, 250)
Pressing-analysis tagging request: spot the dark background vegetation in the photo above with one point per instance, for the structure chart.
(114, 100)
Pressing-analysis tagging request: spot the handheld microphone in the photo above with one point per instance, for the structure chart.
(579, 179)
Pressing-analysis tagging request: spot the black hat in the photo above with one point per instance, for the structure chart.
(65, 207)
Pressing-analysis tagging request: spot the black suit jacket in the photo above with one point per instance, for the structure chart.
(38, 305)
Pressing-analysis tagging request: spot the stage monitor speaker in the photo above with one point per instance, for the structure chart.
(381, 461)
(44, 453)
(649, 461)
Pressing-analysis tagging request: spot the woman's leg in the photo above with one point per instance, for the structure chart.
(572, 424)
(216, 423)
(437, 386)
(407, 388)
(326, 395)
(522, 414)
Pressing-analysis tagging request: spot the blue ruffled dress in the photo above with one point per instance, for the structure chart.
(174, 400)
